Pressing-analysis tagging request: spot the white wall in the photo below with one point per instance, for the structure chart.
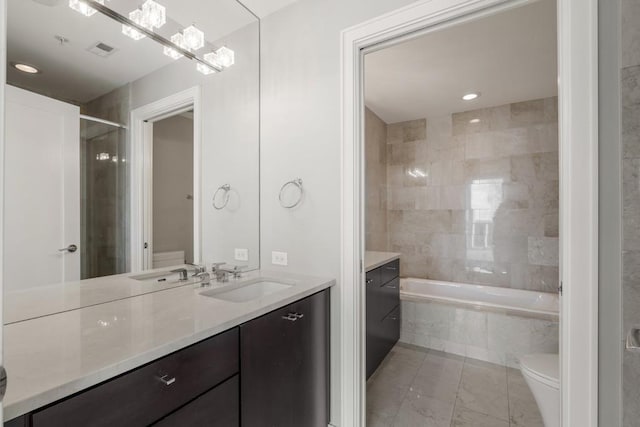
(230, 142)
(301, 138)
(172, 182)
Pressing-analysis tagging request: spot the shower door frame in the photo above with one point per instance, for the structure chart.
(578, 134)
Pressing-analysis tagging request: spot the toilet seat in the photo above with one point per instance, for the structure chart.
(544, 368)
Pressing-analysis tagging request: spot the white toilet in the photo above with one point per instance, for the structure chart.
(542, 373)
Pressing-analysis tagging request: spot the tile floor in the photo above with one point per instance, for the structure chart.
(427, 388)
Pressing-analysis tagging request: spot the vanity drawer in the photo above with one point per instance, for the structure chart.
(147, 394)
(390, 329)
(389, 297)
(219, 407)
(389, 271)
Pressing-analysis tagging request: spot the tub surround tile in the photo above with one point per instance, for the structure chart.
(493, 337)
(376, 222)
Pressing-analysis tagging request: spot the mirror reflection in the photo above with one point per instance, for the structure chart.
(124, 118)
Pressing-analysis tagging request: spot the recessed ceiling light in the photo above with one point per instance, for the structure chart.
(470, 96)
(474, 121)
(25, 68)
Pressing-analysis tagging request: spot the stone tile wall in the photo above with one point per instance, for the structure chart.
(473, 197)
(630, 98)
(376, 182)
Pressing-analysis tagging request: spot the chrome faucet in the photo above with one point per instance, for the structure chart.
(183, 274)
(205, 278)
(198, 268)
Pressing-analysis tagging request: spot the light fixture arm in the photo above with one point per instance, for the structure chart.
(110, 13)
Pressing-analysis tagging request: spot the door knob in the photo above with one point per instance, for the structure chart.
(70, 248)
(633, 340)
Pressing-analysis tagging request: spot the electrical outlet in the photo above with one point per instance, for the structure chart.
(279, 258)
(241, 254)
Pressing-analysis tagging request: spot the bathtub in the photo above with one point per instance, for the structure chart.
(498, 325)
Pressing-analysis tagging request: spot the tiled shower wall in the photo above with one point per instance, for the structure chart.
(630, 97)
(376, 178)
(473, 196)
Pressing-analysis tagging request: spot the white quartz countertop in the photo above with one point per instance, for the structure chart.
(373, 259)
(50, 357)
(59, 297)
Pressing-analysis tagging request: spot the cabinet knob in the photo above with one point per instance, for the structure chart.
(167, 380)
(369, 281)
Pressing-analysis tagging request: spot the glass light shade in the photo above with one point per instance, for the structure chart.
(82, 7)
(226, 57)
(204, 69)
(138, 17)
(177, 39)
(153, 13)
(193, 38)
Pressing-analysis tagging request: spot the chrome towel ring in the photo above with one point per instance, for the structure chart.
(226, 188)
(295, 182)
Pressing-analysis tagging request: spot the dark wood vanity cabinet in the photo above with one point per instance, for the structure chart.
(284, 366)
(151, 392)
(382, 313)
(270, 371)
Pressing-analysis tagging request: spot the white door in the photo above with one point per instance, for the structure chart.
(42, 190)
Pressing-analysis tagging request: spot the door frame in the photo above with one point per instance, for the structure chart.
(141, 155)
(578, 134)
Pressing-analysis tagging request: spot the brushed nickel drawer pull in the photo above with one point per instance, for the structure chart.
(166, 380)
(298, 315)
(290, 317)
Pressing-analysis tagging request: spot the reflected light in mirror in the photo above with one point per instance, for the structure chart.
(82, 7)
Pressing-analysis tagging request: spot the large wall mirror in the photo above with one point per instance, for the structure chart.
(132, 138)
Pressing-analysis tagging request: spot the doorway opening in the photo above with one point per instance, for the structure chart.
(165, 192)
(172, 192)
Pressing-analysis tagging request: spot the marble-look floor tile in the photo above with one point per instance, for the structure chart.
(483, 388)
(438, 377)
(463, 417)
(423, 411)
(523, 410)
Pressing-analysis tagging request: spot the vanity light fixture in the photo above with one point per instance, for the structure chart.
(141, 23)
(205, 69)
(193, 38)
(154, 14)
(178, 40)
(82, 7)
(138, 17)
(225, 57)
(470, 96)
(29, 69)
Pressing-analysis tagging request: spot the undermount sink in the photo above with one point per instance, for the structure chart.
(158, 276)
(247, 291)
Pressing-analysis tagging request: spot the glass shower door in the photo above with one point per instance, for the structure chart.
(103, 198)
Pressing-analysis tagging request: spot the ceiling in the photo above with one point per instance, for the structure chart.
(71, 73)
(506, 57)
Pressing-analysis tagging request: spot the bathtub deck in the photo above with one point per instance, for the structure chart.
(420, 387)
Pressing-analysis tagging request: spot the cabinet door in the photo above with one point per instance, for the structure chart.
(284, 366)
(219, 407)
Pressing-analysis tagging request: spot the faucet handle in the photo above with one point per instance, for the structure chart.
(215, 266)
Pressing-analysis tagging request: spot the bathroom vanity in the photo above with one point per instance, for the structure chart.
(383, 306)
(176, 357)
